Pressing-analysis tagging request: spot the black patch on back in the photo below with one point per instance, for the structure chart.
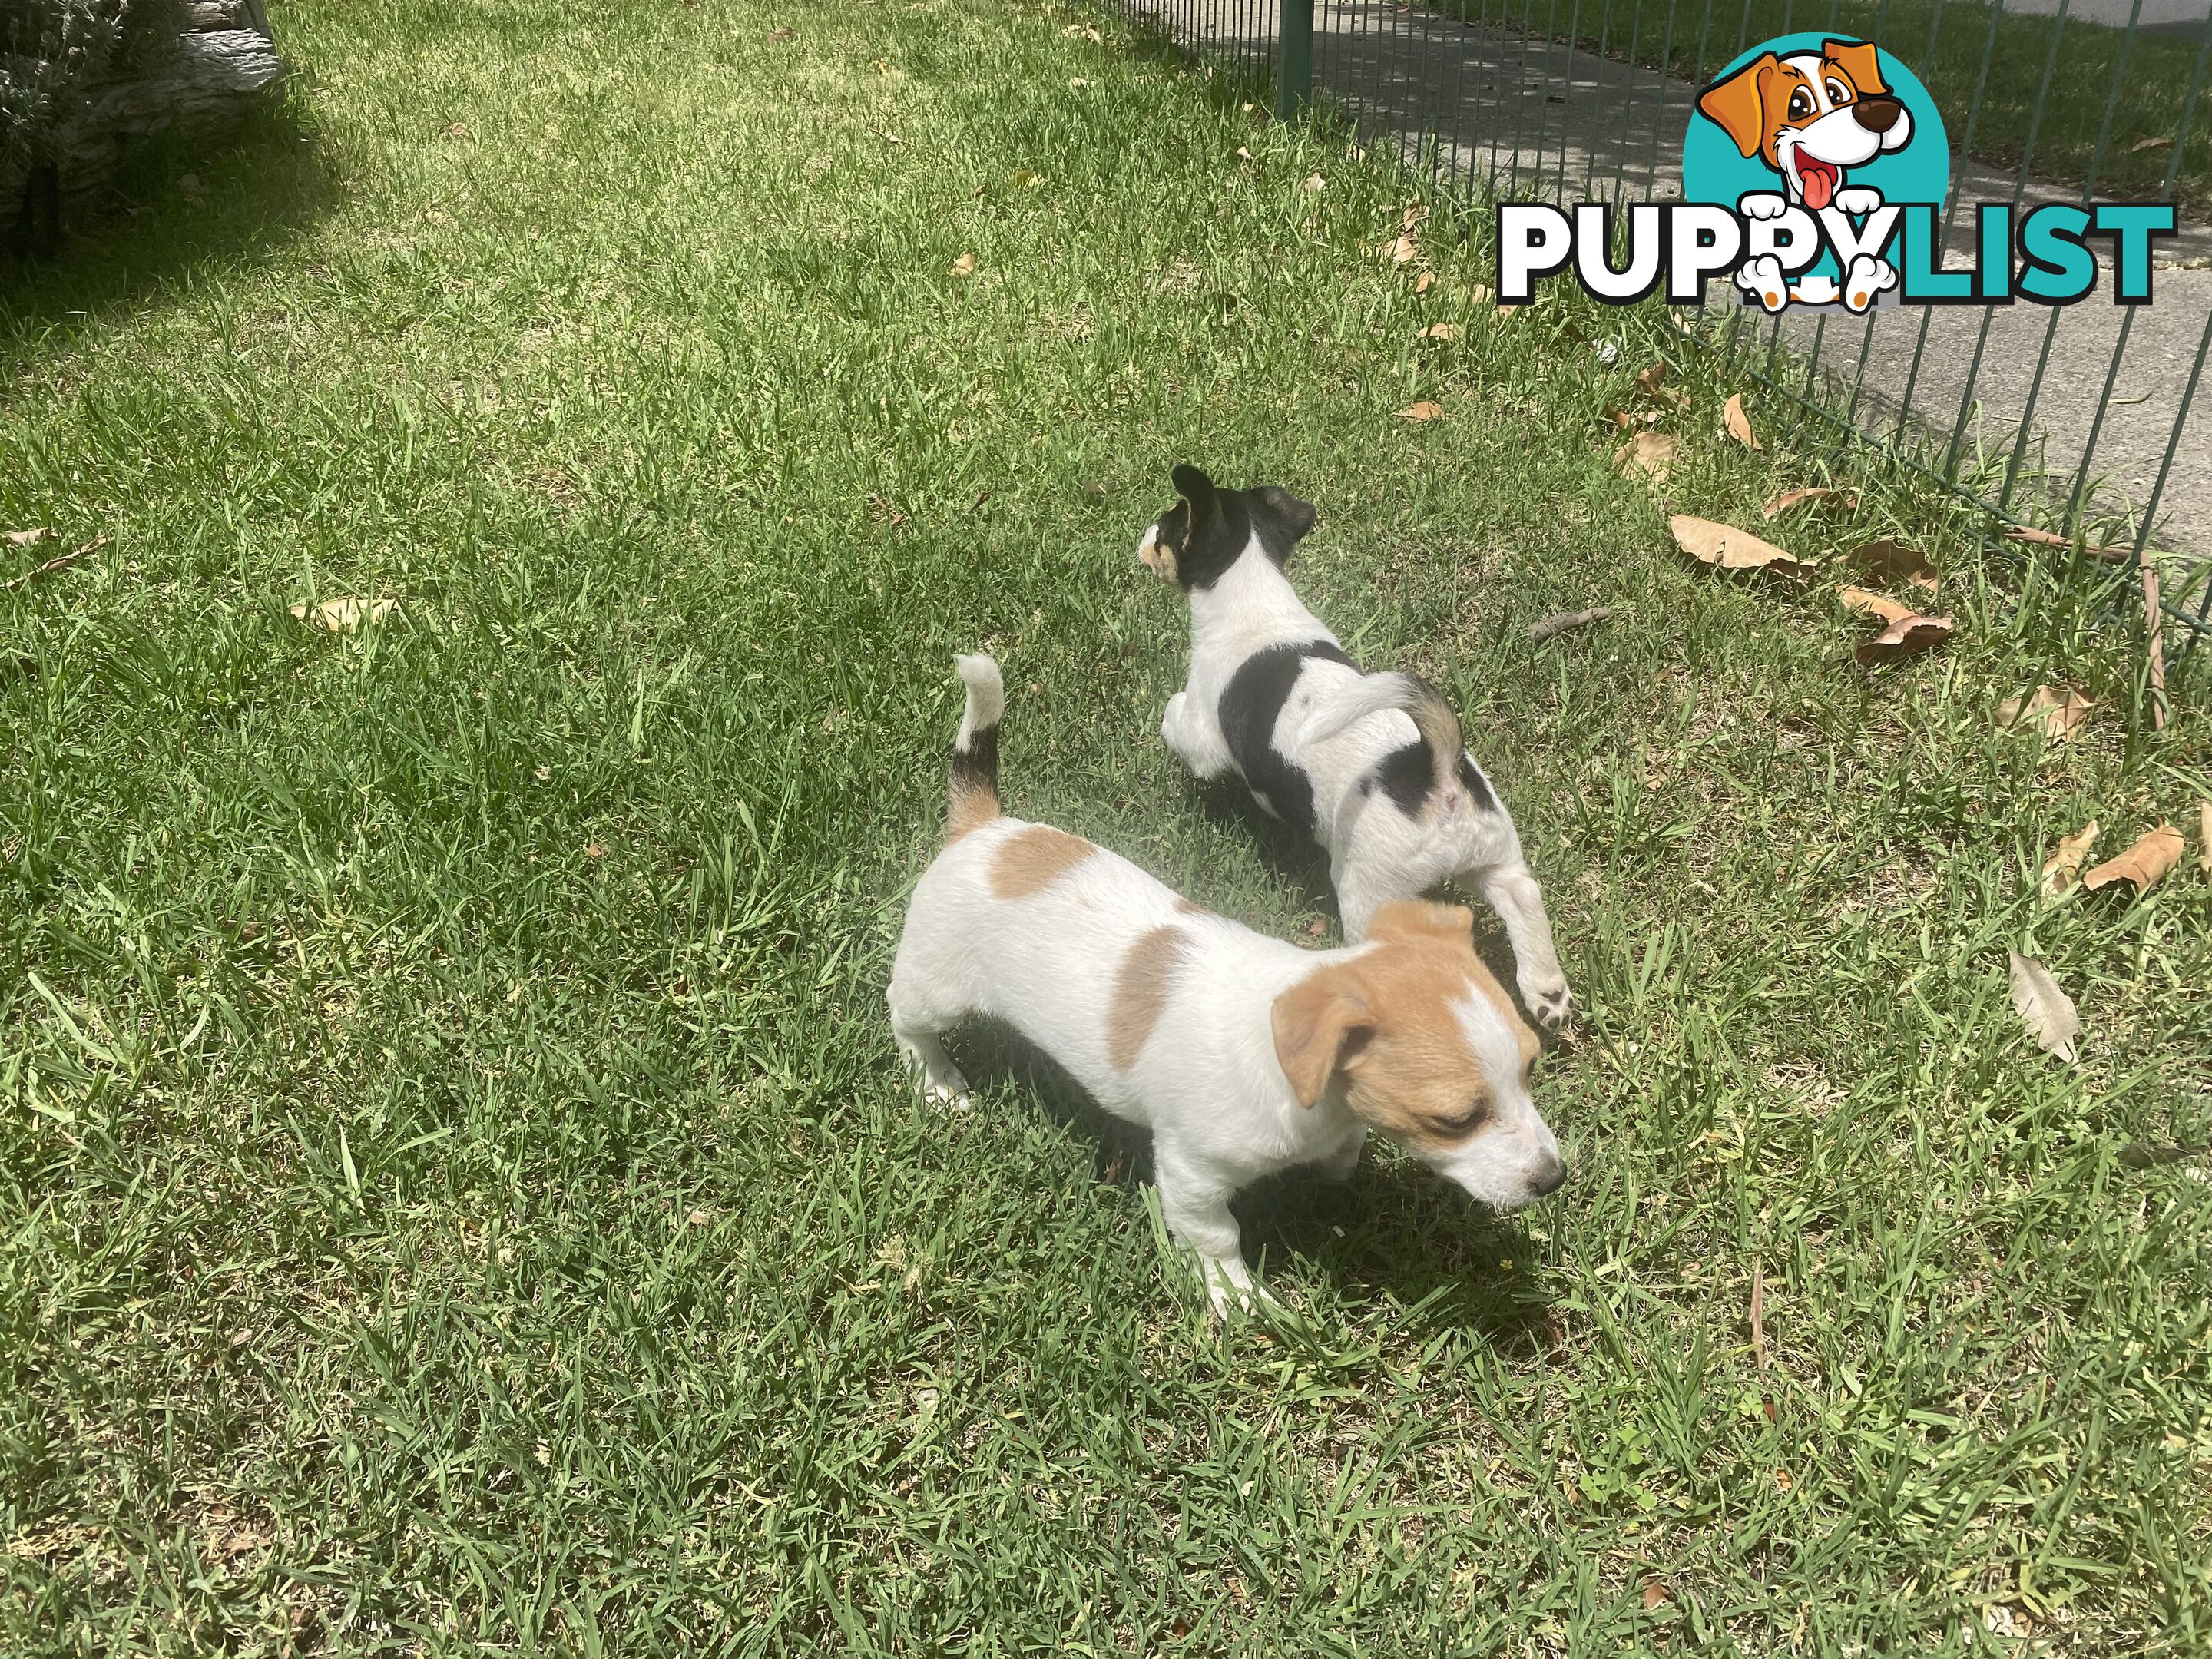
(1478, 786)
(1251, 703)
(1406, 775)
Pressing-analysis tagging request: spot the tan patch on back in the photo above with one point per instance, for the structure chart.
(1140, 991)
(1031, 860)
(1184, 907)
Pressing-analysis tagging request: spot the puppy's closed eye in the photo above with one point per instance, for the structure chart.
(1459, 1125)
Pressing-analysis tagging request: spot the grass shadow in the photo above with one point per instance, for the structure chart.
(1393, 1228)
(146, 237)
(1226, 804)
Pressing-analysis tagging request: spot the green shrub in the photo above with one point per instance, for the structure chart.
(56, 54)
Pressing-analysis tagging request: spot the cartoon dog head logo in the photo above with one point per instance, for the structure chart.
(1813, 140)
(1811, 116)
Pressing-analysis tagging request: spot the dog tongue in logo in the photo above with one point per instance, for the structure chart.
(1818, 179)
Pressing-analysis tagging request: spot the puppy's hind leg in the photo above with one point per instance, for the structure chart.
(1512, 892)
(918, 1029)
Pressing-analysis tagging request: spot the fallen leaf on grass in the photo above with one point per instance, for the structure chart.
(1655, 1594)
(1245, 154)
(345, 616)
(1738, 422)
(1782, 1479)
(1443, 331)
(1727, 547)
(1868, 603)
(888, 138)
(2143, 144)
(1425, 282)
(1790, 498)
(1888, 560)
(2062, 866)
(1651, 379)
(1314, 182)
(963, 266)
(455, 130)
(1402, 250)
(2046, 1010)
(27, 538)
(2144, 863)
(1423, 411)
(1653, 451)
(2059, 709)
(781, 37)
(1908, 637)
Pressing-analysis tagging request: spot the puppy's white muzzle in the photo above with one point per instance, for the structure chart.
(1508, 1166)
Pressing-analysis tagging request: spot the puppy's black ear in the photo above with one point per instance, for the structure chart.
(1285, 518)
(1195, 488)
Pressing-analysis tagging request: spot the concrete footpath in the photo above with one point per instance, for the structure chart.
(1535, 114)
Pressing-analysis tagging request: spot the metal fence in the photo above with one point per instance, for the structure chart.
(2081, 421)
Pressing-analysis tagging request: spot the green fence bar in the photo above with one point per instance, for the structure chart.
(1294, 91)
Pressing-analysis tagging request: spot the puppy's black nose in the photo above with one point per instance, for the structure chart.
(1551, 1176)
(1879, 114)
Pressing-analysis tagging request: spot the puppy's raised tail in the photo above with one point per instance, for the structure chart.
(1432, 717)
(974, 799)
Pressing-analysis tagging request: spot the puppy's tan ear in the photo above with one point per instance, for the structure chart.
(1736, 106)
(1858, 60)
(1419, 919)
(1321, 1025)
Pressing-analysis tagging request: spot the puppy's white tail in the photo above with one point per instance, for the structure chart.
(975, 796)
(1432, 715)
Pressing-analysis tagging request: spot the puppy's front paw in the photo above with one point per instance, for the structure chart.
(1857, 199)
(1762, 205)
(1229, 1283)
(1551, 1002)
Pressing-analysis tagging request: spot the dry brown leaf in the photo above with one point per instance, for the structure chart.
(1314, 182)
(1867, 603)
(1908, 637)
(2059, 709)
(2061, 867)
(2046, 1010)
(2143, 144)
(1888, 560)
(1655, 1594)
(1782, 1479)
(455, 130)
(1423, 411)
(345, 616)
(1402, 250)
(2144, 863)
(2036, 537)
(1654, 452)
(1425, 282)
(1738, 422)
(1790, 498)
(1620, 417)
(2204, 837)
(1443, 331)
(963, 266)
(1727, 547)
(1651, 379)
(1509, 312)
(27, 538)
(781, 37)
(1243, 154)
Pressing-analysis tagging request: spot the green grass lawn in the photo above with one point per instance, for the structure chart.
(457, 1188)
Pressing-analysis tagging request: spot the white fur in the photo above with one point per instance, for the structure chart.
(1207, 1082)
(1331, 727)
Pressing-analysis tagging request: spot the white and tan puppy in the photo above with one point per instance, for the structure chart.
(1243, 1055)
(1368, 765)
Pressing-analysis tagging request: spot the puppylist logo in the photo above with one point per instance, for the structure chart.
(1815, 172)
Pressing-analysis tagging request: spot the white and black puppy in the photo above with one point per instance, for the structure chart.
(1242, 1054)
(1368, 765)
